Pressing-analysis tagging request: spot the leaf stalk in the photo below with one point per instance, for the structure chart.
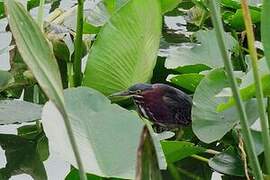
(40, 17)
(258, 84)
(216, 19)
(78, 45)
(265, 33)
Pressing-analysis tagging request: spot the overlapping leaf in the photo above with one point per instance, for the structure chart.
(208, 124)
(206, 52)
(108, 135)
(14, 111)
(177, 150)
(187, 81)
(125, 50)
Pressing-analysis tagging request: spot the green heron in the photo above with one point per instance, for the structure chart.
(162, 104)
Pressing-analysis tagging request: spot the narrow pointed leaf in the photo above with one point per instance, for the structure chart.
(35, 51)
(37, 54)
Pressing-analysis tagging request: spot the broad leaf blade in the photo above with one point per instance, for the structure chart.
(177, 150)
(35, 51)
(14, 111)
(206, 52)
(208, 124)
(108, 135)
(126, 48)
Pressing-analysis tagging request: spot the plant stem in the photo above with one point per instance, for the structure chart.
(36, 94)
(70, 74)
(265, 33)
(268, 108)
(78, 45)
(77, 82)
(41, 14)
(73, 143)
(200, 158)
(211, 151)
(216, 19)
(36, 100)
(258, 84)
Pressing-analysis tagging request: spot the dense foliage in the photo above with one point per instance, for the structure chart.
(92, 49)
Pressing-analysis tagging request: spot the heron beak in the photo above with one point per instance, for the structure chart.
(121, 94)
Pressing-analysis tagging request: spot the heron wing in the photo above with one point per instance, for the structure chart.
(179, 105)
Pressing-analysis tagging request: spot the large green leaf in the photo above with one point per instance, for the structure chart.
(108, 135)
(206, 52)
(177, 150)
(208, 124)
(126, 48)
(35, 51)
(14, 111)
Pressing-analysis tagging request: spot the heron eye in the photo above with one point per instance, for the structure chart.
(138, 91)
